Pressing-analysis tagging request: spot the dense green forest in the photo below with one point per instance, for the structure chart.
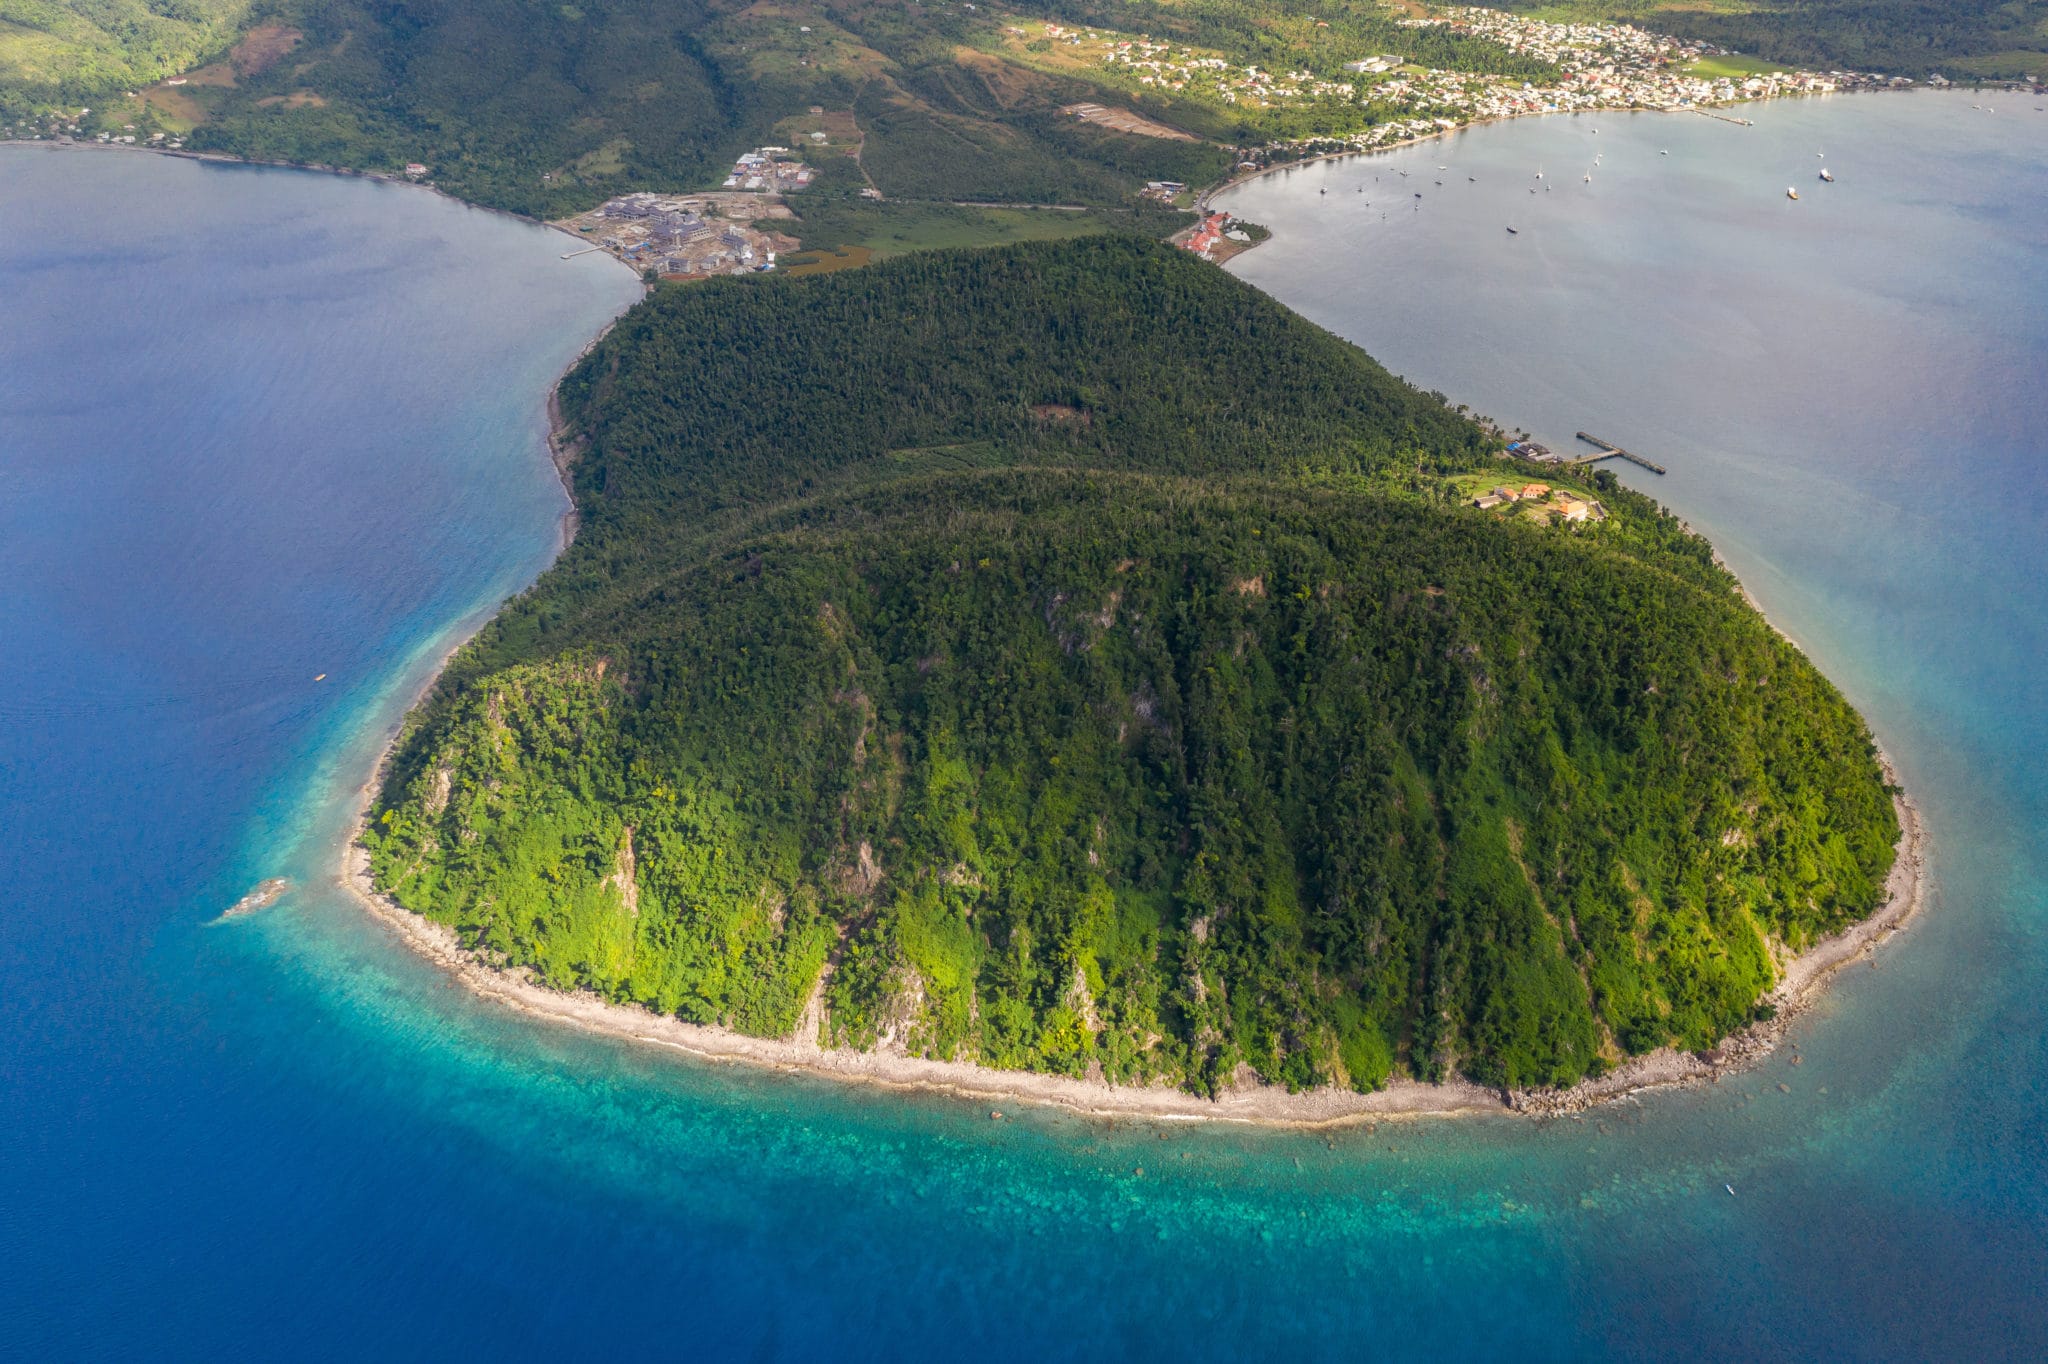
(1078, 662)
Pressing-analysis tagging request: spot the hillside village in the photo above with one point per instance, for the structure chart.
(1601, 66)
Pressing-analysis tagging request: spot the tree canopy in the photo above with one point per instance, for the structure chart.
(1064, 657)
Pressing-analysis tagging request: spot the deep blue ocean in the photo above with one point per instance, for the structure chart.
(256, 426)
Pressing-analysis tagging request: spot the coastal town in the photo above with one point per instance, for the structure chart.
(1393, 100)
(695, 236)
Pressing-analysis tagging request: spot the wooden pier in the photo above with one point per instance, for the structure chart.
(1609, 450)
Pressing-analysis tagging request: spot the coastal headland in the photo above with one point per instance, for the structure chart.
(1240, 1098)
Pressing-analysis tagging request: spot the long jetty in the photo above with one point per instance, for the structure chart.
(1609, 450)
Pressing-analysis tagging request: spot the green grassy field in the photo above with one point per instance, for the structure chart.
(1735, 67)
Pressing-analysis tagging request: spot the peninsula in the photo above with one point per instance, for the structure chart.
(1100, 672)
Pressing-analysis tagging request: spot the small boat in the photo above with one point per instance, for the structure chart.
(1827, 175)
(1322, 191)
(1589, 177)
(1418, 194)
(1473, 179)
(1513, 233)
(1730, 1188)
(1791, 193)
(321, 678)
(1664, 153)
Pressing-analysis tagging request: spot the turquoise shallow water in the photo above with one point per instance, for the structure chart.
(224, 468)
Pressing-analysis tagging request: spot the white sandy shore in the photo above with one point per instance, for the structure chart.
(1800, 984)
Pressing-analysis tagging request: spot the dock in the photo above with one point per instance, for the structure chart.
(572, 255)
(1609, 450)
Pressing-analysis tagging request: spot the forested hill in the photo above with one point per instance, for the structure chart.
(1097, 667)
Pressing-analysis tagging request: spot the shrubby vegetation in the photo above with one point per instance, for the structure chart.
(73, 50)
(1079, 662)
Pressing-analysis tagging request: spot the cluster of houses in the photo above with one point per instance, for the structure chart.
(1617, 66)
(1171, 67)
(770, 169)
(1562, 505)
(1216, 235)
(1601, 66)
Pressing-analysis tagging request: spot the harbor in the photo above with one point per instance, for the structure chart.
(1609, 450)
(1543, 454)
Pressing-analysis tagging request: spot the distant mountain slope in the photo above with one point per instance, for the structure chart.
(1096, 665)
(84, 48)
